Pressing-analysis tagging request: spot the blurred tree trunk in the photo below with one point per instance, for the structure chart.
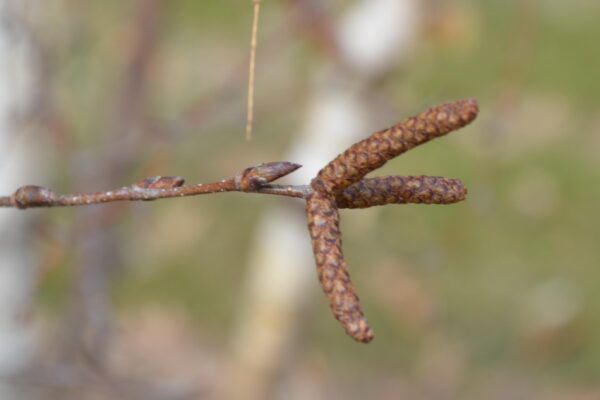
(16, 166)
(98, 249)
(369, 40)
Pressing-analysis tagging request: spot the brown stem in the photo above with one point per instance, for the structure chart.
(368, 192)
(254, 179)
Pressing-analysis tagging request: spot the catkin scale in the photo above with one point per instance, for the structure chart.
(323, 225)
(373, 152)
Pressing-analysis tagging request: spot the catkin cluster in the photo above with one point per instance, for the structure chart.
(341, 184)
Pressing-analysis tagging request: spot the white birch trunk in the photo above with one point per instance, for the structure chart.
(372, 37)
(16, 259)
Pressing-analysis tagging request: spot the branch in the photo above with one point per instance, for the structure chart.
(363, 194)
(340, 184)
(253, 180)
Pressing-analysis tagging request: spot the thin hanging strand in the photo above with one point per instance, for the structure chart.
(252, 71)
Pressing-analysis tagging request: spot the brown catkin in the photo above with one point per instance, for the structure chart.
(374, 151)
(379, 191)
(323, 224)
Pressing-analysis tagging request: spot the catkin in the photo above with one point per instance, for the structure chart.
(380, 191)
(374, 151)
(323, 225)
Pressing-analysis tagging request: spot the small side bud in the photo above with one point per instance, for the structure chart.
(33, 196)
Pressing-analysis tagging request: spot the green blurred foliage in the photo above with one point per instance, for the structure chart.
(476, 270)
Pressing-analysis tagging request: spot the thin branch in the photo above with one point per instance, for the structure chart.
(253, 179)
(366, 193)
(363, 194)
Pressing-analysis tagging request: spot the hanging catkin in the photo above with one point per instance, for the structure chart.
(323, 224)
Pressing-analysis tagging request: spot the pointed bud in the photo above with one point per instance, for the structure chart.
(254, 177)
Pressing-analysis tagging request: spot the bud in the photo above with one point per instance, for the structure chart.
(33, 196)
(255, 177)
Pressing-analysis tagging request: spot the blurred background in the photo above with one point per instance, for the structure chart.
(216, 297)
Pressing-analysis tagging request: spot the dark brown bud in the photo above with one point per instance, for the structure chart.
(374, 151)
(254, 178)
(371, 192)
(33, 196)
(161, 182)
(323, 225)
